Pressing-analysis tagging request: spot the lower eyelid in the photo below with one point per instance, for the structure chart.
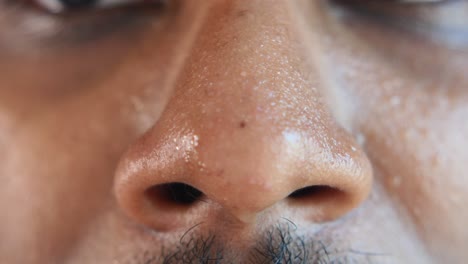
(53, 6)
(79, 30)
(62, 30)
(430, 21)
(65, 6)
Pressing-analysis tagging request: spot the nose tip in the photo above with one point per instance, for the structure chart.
(245, 131)
(170, 182)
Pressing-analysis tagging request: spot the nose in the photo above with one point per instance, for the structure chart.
(246, 130)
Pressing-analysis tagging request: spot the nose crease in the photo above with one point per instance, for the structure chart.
(246, 130)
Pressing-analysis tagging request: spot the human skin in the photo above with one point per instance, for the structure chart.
(248, 102)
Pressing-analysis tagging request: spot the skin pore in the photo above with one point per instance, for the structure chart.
(234, 131)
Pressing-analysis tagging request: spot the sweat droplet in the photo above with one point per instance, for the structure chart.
(396, 181)
(395, 100)
(361, 140)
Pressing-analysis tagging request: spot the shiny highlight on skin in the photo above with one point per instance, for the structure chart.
(298, 127)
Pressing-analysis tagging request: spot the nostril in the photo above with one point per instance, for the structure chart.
(316, 193)
(173, 194)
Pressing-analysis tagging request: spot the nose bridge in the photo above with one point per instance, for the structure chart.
(253, 90)
(246, 125)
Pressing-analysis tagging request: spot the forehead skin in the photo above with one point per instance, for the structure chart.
(76, 106)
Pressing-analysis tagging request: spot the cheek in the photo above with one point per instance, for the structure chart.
(44, 78)
(61, 157)
(411, 119)
(58, 172)
(420, 159)
(64, 128)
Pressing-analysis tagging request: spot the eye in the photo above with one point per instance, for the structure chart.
(443, 21)
(60, 6)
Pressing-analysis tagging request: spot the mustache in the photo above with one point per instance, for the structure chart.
(279, 244)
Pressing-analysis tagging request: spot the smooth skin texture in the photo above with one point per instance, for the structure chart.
(248, 102)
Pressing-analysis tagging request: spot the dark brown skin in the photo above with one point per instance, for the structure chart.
(248, 101)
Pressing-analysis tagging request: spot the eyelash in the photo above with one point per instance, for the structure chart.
(62, 6)
(444, 21)
(59, 6)
(403, 14)
(25, 19)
